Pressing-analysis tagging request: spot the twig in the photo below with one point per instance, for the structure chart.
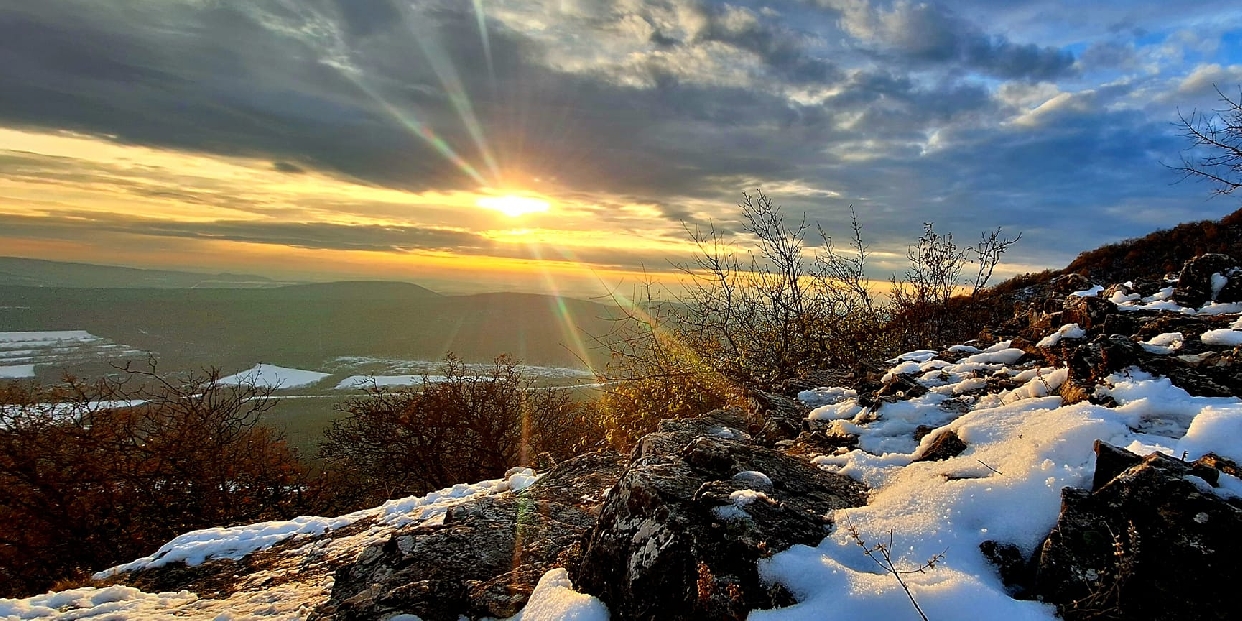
(881, 553)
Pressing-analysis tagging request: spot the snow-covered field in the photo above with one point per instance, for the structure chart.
(272, 376)
(21, 352)
(366, 366)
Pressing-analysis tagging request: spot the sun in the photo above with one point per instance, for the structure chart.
(512, 205)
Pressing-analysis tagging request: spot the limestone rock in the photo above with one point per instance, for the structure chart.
(680, 534)
(486, 557)
(1151, 541)
(1195, 285)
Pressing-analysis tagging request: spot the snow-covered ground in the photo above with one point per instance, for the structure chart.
(16, 371)
(21, 352)
(272, 376)
(1024, 446)
(296, 581)
(361, 382)
(366, 365)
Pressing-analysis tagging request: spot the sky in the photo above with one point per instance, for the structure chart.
(567, 146)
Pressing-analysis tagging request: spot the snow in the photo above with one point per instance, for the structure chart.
(753, 478)
(40, 339)
(1089, 293)
(360, 382)
(1023, 447)
(1165, 343)
(1224, 338)
(16, 371)
(1218, 282)
(1067, 331)
(554, 599)
(272, 376)
(114, 602)
(196, 547)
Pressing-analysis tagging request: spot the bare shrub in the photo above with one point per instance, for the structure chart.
(935, 302)
(767, 316)
(461, 427)
(96, 473)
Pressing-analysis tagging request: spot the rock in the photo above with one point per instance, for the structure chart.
(900, 387)
(486, 557)
(1147, 543)
(680, 534)
(1069, 283)
(782, 417)
(1110, 462)
(944, 446)
(1194, 286)
(1015, 572)
(820, 442)
(1087, 312)
(1091, 363)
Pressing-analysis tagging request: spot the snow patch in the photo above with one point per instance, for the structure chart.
(272, 376)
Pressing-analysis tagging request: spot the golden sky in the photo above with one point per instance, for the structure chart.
(88, 198)
(336, 139)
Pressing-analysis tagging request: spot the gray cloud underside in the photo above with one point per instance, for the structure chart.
(80, 226)
(349, 85)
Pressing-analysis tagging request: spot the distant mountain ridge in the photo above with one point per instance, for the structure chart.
(16, 271)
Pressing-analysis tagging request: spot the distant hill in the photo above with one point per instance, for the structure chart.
(1152, 256)
(310, 325)
(38, 273)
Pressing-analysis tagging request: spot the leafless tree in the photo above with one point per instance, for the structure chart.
(1215, 154)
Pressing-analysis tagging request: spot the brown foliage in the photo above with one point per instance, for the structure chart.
(85, 483)
(463, 427)
(1153, 256)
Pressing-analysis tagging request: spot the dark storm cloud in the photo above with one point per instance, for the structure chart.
(223, 78)
(781, 48)
(931, 33)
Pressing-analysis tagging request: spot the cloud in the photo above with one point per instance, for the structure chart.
(909, 110)
(311, 235)
(287, 167)
(930, 33)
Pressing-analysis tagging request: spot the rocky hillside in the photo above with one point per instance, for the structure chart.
(1078, 461)
(1162, 252)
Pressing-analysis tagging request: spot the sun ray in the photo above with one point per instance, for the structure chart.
(443, 67)
(487, 43)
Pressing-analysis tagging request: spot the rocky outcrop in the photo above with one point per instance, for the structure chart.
(1150, 540)
(1209, 277)
(680, 534)
(486, 557)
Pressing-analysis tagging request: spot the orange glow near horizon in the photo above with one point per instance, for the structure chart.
(92, 199)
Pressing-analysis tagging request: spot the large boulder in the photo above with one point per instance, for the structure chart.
(1150, 540)
(486, 557)
(1089, 364)
(1200, 281)
(1087, 311)
(680, 534)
